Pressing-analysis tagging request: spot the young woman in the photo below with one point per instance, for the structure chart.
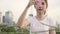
(36, 26)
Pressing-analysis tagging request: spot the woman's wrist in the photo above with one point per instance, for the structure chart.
(27, 7)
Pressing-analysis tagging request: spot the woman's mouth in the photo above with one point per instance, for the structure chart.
(40, 9)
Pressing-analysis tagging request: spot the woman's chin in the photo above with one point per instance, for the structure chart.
(40, 12)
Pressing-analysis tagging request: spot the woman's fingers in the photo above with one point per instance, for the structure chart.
(31, 2)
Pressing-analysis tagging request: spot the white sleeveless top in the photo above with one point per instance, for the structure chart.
(37, 28)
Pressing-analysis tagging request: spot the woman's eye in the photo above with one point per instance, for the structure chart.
(42, 3)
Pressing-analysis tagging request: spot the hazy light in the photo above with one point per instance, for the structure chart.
(17, 7)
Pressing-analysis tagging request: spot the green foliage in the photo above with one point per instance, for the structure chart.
(8, 29)
(4, 29)
(57, 29)
(57, 32)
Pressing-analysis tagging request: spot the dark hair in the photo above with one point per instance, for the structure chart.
(46, 1)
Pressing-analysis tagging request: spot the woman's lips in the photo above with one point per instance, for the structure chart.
(40, 9)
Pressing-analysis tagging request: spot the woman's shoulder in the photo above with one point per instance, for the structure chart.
(51, 20)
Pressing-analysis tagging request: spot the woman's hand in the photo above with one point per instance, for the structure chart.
(31, 2)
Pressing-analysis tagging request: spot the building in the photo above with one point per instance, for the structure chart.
(58, 25)
(3, 19)
(30, 14)
(0, 17)
(9, 18)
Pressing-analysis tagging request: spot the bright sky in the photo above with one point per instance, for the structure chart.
(17, 7)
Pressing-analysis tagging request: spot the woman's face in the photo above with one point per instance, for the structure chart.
(40, 6)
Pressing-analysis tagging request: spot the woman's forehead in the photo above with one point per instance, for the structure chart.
(39, 0)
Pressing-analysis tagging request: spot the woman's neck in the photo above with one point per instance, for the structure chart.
(40, 17)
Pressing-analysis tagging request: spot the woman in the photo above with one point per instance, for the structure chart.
(35, 21)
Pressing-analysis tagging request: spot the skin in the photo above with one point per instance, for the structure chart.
(40, 6)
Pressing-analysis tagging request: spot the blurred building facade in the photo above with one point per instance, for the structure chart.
(58, 25)
(30, 14)
(0, 17)
(8, 19)
(3, 19)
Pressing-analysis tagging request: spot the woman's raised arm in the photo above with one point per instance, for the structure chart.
(21, 21)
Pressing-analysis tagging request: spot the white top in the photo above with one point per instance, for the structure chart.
(37, 27)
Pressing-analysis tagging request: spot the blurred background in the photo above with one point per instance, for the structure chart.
(10, 10)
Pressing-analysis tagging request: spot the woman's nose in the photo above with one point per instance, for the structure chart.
(39, 5)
